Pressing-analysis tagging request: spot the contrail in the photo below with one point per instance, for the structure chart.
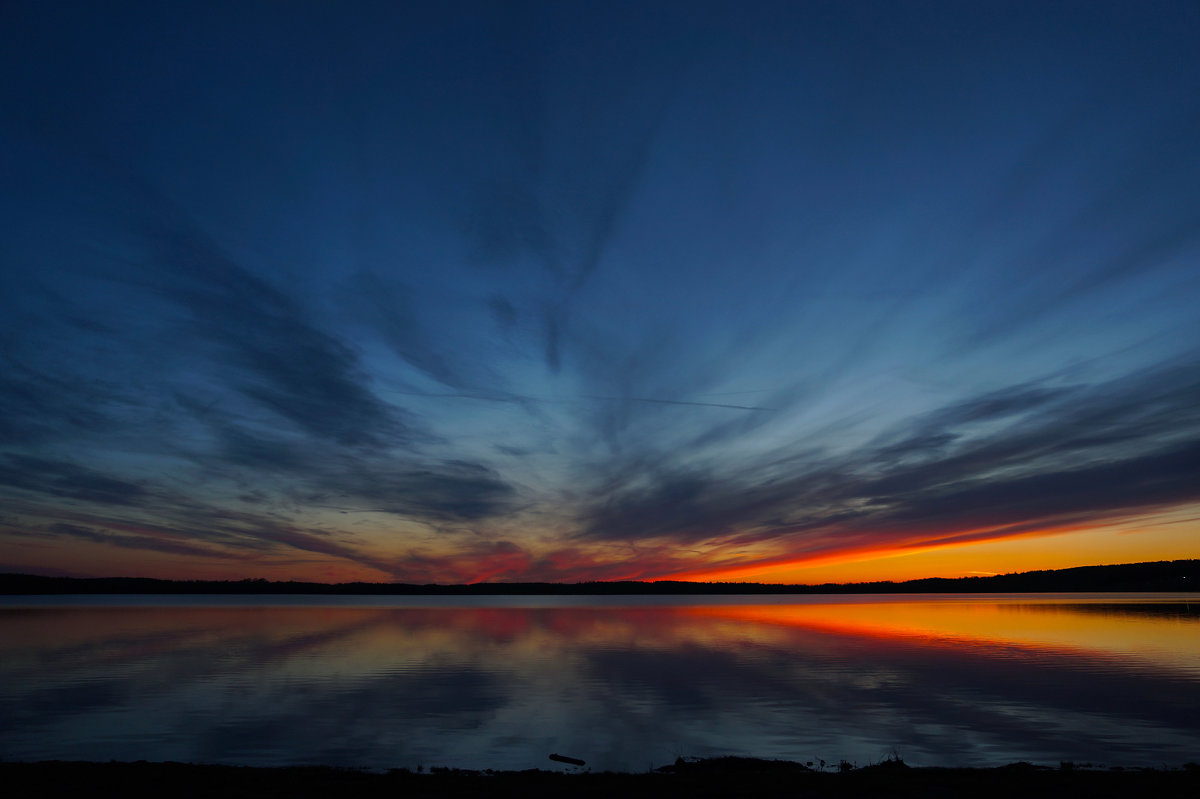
(523, 398)
(683, 402)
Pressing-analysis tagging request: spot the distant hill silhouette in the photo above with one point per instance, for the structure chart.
(1175, 575)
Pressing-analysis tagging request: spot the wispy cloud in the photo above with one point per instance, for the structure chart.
(999, 464)
(280, 361)
(65, 480)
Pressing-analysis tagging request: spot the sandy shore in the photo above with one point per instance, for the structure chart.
(723, 777)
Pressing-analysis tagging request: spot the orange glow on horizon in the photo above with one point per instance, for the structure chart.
(1173, 535)
(761, 569)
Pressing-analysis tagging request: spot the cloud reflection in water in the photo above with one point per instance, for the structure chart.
(956, 681)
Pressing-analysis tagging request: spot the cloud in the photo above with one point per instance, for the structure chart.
(66, 480)
(327, 474)
(1132, 226)
(477, 562)
(450, 491)
(1039, 455)
(187, 527)
(1076, 494)
(143, 542)
(197, 516)
(391, 310)
(1003, 463)
(273, 356)
(567, 171)
(36, 407)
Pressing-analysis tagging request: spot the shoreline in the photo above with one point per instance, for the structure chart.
(693, 778)
(1150, 577)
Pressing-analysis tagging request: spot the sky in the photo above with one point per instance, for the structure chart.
(501, 291)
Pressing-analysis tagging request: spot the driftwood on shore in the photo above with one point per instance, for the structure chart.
(570, 761)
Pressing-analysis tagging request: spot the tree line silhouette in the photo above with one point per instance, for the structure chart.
(1177, 575)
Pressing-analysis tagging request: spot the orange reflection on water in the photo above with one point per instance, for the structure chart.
(1107, 626)
(367, 640)
(386, 682)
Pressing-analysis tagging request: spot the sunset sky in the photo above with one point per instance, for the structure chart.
(450, 292)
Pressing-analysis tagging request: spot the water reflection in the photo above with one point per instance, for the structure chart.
(936, 680)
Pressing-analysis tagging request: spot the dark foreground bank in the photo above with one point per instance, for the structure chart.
(707, 778)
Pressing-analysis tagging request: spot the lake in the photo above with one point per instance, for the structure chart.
(626, 683)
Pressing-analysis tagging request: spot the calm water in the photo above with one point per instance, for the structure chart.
(625, 683)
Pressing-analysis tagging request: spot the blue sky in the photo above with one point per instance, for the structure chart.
(446, 292)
